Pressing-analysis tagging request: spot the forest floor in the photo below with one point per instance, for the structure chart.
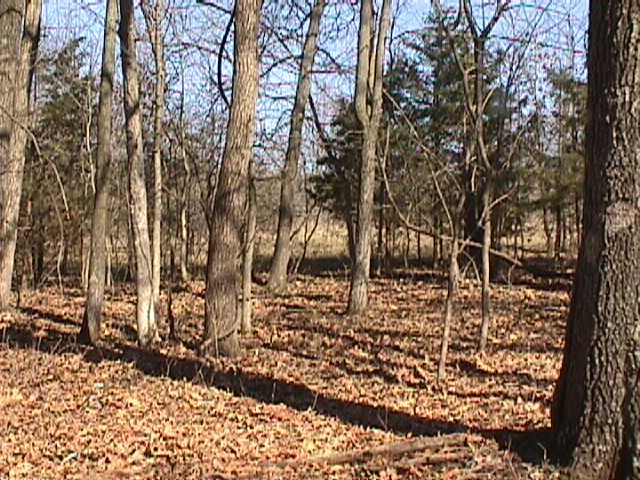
(316, 394)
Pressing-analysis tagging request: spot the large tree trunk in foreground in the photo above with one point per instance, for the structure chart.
(19, 36)
(90, 331)
(282, 252)
(369, 111)
(11, 13)
(227, 219)
(145, 308)
(596, 411)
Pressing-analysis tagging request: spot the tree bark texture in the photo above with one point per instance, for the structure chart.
(153, 17)
(596, 410)
(184, 206)
(486, 197)
(486, 266)
(369, 73)
(452, 290)
(247, 255)
(90, 330)
(183, 196)
(145, 308)
(19, 36)
(282, 252)
(227, 218)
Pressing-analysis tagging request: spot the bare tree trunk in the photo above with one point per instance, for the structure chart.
(380, 239)
(596, 409)
(547, 231)
(227, 218)
(153, 18)
(90, 330)
(452, 289)
(558, 241)
(394, 243)
(521, 234)
(472, 214)
(308, 235)
(566, 233)
(475, 108)
(19, 36)
(85, 255)
(184, 219)
(282, 253)
(577, 205)
(406, 251)
(486, 197)
(131, 253)
(368, 78)
(145, 308)
(11, 13)
(183, 260)
(183, 227)
(351, 235)
(109, 272)
(436, 247)
(247, 256)
(486, 265)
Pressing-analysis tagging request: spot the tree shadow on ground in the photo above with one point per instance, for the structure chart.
(60, 319)
(516, 377)
(540, 272)
(340, 266)
(531, 446)
(126, 330)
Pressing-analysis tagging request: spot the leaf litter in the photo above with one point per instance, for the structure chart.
(315, 395)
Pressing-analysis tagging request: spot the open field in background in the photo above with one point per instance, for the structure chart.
(311, 383)
(330, 241)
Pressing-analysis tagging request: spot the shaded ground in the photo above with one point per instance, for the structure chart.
(311, 383)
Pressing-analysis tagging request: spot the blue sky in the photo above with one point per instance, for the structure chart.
(200, 28)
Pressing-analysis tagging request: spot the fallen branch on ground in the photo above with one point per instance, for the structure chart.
(429, 459)
(366, 454)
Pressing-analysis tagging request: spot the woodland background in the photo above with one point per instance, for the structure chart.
(394, 245)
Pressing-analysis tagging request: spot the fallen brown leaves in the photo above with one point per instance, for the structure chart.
(316, 395)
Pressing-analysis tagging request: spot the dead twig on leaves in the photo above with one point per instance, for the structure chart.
(436, 458)
(363, 455)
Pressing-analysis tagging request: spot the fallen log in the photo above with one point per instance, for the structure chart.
(362, 455)
(430, 459)
(388, 450)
